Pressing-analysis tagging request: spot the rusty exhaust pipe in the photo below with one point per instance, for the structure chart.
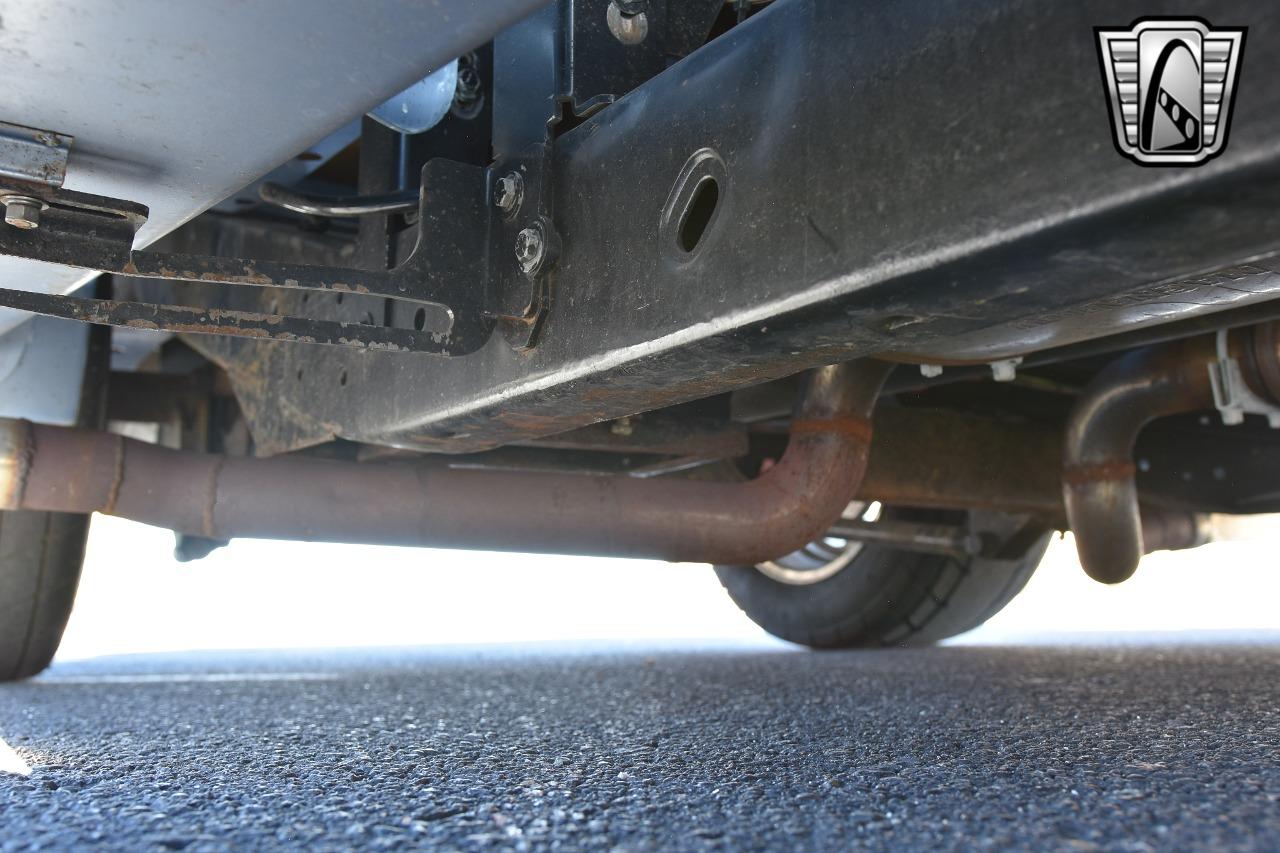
(1099, 491)
(792, 504)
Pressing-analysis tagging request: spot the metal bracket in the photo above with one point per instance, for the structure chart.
(32, 156)
(1231, 394)
(605, 58)
(441, 274)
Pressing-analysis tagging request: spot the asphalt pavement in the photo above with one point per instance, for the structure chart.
(1155, 745)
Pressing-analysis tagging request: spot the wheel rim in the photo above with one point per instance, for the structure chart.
(823, 558)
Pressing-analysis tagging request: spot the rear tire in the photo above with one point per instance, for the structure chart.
(885, 596)
(40, 558)
(41, 553)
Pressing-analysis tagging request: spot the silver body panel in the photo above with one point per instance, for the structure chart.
(41, 370)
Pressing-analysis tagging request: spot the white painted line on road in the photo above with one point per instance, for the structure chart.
(11, 762)
(187, 677)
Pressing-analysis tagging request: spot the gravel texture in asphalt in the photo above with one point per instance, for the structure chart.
(1146, 746)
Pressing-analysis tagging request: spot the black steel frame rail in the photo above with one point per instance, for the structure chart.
(927, 178)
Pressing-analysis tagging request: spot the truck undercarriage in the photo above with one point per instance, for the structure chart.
(787, 287)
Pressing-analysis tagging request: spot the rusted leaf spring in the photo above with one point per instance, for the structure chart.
(1099, 491)
(214, 321)
(54, 468)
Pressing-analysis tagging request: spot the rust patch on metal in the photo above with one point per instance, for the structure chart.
(535, 425)
(117, 477)
(15, 467)
(852, 426)
(250, 275)
(1083, 475)
(208, 526)
(339, 287)
(208, 329)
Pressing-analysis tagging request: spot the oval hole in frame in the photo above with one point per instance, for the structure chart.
(697, 198)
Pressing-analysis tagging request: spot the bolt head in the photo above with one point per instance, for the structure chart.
(628, 28)
(21, 212)
(531, 248)
(508, 193)
(468, 81)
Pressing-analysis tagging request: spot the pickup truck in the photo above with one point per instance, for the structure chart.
(857, 302)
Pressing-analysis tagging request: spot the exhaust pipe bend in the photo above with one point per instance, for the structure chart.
(292, 497)
(1099, 491)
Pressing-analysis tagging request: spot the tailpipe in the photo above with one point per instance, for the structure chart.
(303, 498)
(1099, 489)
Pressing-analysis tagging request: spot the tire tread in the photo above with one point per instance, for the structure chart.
(896, 598)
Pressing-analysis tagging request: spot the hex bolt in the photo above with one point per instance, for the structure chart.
(508, 193)
(627, 20)
(22, 211)
(531, 249)
(468, 97)
(469, 84)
